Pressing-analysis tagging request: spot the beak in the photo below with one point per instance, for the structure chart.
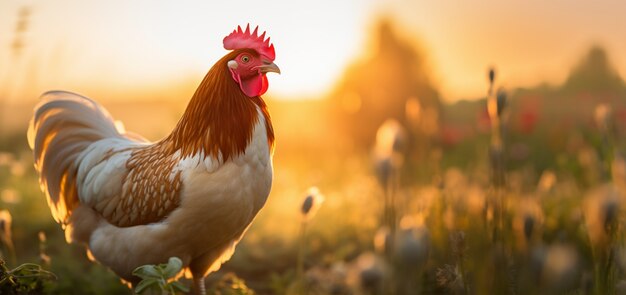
(268, 67)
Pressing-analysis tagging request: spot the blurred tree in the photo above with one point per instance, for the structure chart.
(594, 73)
(393, 82)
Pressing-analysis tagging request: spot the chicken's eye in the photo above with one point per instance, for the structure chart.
(245, 59)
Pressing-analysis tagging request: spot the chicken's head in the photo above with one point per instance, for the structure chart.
(254, 59)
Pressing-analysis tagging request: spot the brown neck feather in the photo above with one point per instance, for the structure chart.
(220, 118)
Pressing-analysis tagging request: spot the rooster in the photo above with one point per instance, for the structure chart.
(191, 195)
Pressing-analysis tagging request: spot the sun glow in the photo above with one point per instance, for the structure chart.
(123, 44)
(120, 49)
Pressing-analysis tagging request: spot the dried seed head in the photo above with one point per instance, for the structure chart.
(450, 278)
(311, 203)
(307, 204)
(390, 142)
(492, 75)
(527, 222)
(412, 247)
(602, 208)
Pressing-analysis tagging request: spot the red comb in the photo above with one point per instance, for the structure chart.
(239, 39)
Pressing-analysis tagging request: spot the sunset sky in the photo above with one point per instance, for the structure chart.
(117, 46)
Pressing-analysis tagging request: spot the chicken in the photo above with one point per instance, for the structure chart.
(191, 195)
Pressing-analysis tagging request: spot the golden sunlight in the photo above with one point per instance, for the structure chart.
(93, 45)
(133, 46)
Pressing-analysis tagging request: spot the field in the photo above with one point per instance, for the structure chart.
(383, 188)
(392, 220)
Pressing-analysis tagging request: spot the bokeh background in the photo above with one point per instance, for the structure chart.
(435, 179)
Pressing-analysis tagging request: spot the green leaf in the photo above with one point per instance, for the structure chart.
(174, 265)
(147, 271)
(179, 287)
(146, 284)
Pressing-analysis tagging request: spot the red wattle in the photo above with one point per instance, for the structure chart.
(254, 86)
(264, 86)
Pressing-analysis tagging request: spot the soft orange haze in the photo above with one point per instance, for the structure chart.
(119, 48)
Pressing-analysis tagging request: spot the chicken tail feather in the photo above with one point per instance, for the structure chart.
(64, 125)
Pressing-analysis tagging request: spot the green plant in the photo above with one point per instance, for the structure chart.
(26, 278)
(160, 277)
